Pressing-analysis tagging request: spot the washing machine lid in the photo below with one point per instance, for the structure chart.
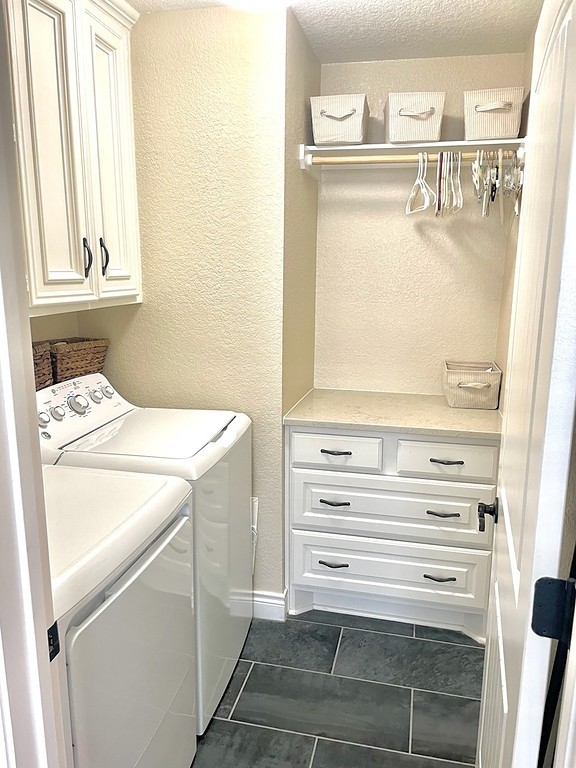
(97, 519)
(156, 433)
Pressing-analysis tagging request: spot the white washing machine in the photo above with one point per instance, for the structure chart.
(84, 422)
(120, 549)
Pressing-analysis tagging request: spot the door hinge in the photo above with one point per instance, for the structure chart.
(53, 641)
(553, 608)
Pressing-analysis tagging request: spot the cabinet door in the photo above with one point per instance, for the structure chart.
(112, 167)
(46, 100)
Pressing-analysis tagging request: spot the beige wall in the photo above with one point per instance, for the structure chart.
(209, 121)
(397, 294)
(300, 218)
(54, 326)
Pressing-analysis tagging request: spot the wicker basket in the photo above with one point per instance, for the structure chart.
(339, 119)
(472, 385)
(42, 364)
(77, 356)
(414, 117)
(493, 114)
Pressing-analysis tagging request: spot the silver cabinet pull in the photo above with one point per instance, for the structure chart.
(333, 565)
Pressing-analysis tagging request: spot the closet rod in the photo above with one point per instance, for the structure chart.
(389, 159)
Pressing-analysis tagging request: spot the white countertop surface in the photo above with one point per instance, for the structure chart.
(390, 412)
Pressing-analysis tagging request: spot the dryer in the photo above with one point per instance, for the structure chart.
(85, 422)
(120, 547)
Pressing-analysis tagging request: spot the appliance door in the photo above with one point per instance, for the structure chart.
(131, 665)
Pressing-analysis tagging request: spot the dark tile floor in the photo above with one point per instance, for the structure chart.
(325, 690)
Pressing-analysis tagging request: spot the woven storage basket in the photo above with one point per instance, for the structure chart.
(42, 364)
(493, 114)
(415, 116)
(77, 356)
(472, 385)
(339, 119)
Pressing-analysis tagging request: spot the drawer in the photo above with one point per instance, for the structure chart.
(399, 570)
(391, 507)
(336, 452)
(449, 460)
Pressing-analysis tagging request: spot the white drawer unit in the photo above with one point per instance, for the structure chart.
(337, 451)
(408, 571)
(386, 524)
(450, 460)
(394, 507)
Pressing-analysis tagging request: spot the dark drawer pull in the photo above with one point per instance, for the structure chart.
(88, 266)
(106, 254)
(443, 515)
(335, 453)
(447, 462)
(335, 503)
(439, 579)
(333, 565)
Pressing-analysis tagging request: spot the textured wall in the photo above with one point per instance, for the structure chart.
(209, 122)
(453, 75)
(301, 209)
(398, 294)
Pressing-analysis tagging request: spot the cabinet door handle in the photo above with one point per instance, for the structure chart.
(106, 254)
(333, 565)
(335, 503)
(447, 462)
(443, 515)
(88, 250)
(440, 579)
(335, 453)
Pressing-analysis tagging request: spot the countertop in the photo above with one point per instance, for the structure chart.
(390, 412)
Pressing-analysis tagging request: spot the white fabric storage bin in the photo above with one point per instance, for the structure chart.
(415, 116)
(339, 119)
(472, 385)
(493, 114)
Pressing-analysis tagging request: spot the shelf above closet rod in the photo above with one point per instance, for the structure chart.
(315, 160)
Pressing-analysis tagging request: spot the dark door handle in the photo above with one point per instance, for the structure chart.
(335, 503)
(88, 250)
(440, 579)
(447, 462)
(443, 515)
(487, 509)
(335, 453)
(106, 254)
(333, 565)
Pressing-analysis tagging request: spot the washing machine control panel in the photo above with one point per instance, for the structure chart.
(69, 410)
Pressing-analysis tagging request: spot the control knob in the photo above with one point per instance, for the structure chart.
(107, 391)
(57, 413)
(43, 419)
(96, 396)
(78, 404)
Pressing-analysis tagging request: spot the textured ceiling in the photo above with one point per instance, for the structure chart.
(374, 30)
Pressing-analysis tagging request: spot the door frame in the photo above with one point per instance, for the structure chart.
(30, 726)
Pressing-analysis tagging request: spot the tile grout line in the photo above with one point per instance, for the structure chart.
(342, 741)
(240, 691)
(411, 721)
(360, 680)
(337, 649)
(313, 752)
(412, 636)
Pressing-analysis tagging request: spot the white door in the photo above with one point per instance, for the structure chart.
(113, 182)
(46, 101)
(538, 407)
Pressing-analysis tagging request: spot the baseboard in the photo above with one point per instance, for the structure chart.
(270, 605)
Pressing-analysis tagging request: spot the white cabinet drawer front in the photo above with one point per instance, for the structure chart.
(456, 577)
(335, 452)
(442, 513)
(449, 460)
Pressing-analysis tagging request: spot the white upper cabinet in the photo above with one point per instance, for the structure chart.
(72, 99)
